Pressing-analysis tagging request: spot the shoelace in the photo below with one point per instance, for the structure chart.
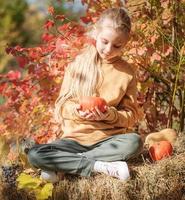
(112, 171)
(109, 169)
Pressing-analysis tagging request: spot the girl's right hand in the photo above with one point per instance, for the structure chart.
(91, 115)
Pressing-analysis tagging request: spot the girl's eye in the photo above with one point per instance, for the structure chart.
(104, 42)
(117, 47)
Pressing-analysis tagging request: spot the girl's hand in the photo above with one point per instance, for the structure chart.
(92, 115)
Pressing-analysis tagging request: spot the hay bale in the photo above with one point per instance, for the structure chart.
(163, 180)
(8, 192)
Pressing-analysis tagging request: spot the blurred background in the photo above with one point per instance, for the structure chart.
(157, 48)
(21, 23)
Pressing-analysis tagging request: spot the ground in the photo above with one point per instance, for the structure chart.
(163, 180)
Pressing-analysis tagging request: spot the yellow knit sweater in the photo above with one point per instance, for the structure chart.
(119, 90)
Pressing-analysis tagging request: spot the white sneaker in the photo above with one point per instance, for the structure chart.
(49, 176)
(118, 169)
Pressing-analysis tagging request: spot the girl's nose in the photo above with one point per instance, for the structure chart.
(108, 49)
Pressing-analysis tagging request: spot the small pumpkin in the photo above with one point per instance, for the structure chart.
(165, 134)
(160, 150)
(90, 102)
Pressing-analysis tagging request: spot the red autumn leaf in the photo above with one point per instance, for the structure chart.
(9, 50)
(165, 4)
(143, 26)
(60, 45)
(86, 20)
(154, 38)
(24, 88)
(60, 17)
(13, 75)
(133, 51)
(43, 137)
(2, 87)
(141, 50)
(46, 37)
(155, 56)
(167, 16)
(35, 53)
(64, 27)
(91, 41)
(19, 48)
(2, 75)
(22, 61)
(94, 19)
(12, 155)
(49, 24)
(51, 10)
(14, 50)
(168, 50)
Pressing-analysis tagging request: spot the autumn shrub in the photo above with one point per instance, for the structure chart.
(156, 49)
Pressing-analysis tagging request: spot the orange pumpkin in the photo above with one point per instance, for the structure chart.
(89, 103)
(160, 150)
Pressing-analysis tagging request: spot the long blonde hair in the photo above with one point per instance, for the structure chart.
(84, 75)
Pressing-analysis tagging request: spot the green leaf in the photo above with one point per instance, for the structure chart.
(2, 100)
(45, 192)
(28, 182)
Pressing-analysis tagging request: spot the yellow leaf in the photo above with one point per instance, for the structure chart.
(57, 80)
(27, 181)
(45, 192)
(39, 109)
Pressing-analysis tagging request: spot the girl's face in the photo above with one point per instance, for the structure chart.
(109, 42)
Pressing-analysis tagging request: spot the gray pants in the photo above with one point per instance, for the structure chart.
(71, 157)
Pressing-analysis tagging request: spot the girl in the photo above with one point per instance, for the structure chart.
(93, 141)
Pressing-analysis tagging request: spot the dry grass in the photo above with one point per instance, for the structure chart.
(164, 180)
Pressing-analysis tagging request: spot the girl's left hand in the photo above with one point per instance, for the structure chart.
(94, 114)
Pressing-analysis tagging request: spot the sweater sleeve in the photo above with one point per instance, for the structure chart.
(67, 109)
(126, 114)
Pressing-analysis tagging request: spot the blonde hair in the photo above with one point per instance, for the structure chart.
(120, 20)
(84, 76)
